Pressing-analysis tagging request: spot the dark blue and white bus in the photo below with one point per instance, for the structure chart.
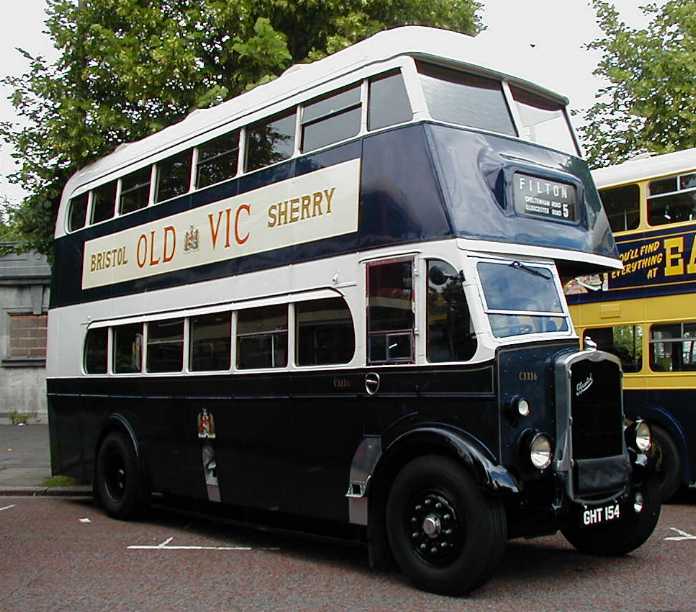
(338, 297)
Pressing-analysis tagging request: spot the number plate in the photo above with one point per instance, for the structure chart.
(543, 198)
(600, 514)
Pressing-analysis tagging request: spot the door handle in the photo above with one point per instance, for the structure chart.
(372, 383)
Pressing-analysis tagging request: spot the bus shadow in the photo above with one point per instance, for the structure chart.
(528, 565)
(684, 497)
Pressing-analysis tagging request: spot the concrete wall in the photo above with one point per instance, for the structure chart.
(24, 289)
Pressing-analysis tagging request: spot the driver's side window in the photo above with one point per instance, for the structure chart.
(450, 331)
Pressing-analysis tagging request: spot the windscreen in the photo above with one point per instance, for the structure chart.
(521, 299)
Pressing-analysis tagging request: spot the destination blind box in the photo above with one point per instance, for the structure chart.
(541, 197)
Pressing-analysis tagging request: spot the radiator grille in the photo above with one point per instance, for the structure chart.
(595, 397)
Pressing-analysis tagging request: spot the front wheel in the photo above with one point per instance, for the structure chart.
(623, 536)
(119, 484)
(444, 533)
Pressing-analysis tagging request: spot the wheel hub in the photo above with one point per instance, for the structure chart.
(433, 527)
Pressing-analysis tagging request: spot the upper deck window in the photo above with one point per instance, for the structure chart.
(622, 205)
(521, 299)
(543, 121)
(173, 176)
(78, 212)
(135, 191)
(331, 119)
(270, 141)
(103, 202)
(672, 200)
(217, 160)
(465, 99)
(389, 103)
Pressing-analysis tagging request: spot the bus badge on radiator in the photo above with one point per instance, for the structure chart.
(583, 386)
(206, 425)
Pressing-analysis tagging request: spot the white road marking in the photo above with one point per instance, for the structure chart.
(165, 546)
(683, 535)
(85, 520)
(7, 507)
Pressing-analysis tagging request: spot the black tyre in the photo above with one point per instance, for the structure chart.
(444, 533)
(667, 463)
(622, 536)
(119, 484)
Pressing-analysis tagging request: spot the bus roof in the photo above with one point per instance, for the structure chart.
(641, 168)
(440, 45)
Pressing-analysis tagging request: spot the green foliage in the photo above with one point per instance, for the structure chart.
(650, 102)
(59, 481)
(128, 68)
(20, 418)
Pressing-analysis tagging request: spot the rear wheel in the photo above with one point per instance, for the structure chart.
(620, 537)
(444, 533)
(118, 481)
(667, 463)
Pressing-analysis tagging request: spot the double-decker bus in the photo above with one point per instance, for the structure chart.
(646, 313)
(337, 297)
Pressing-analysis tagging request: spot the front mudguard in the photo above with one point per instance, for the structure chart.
(401, 449)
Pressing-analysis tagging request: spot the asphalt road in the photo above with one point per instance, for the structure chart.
(25, 459)
(65, 554)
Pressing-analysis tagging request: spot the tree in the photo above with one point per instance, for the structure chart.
(128, 68)
(650, 101)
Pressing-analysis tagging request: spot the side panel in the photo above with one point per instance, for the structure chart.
(282, 442)
(675, 411)
(396, 206)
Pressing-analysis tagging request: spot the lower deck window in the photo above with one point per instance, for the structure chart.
(624, 341)
(96, 351)
(128, 348)
(165, 346)
(210, 337)
(324, 332)
(673, 347)
(262, 337)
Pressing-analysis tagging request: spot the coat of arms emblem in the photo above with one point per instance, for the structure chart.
(206, 425)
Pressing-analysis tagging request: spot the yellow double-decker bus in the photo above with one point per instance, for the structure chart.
(646, 313)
